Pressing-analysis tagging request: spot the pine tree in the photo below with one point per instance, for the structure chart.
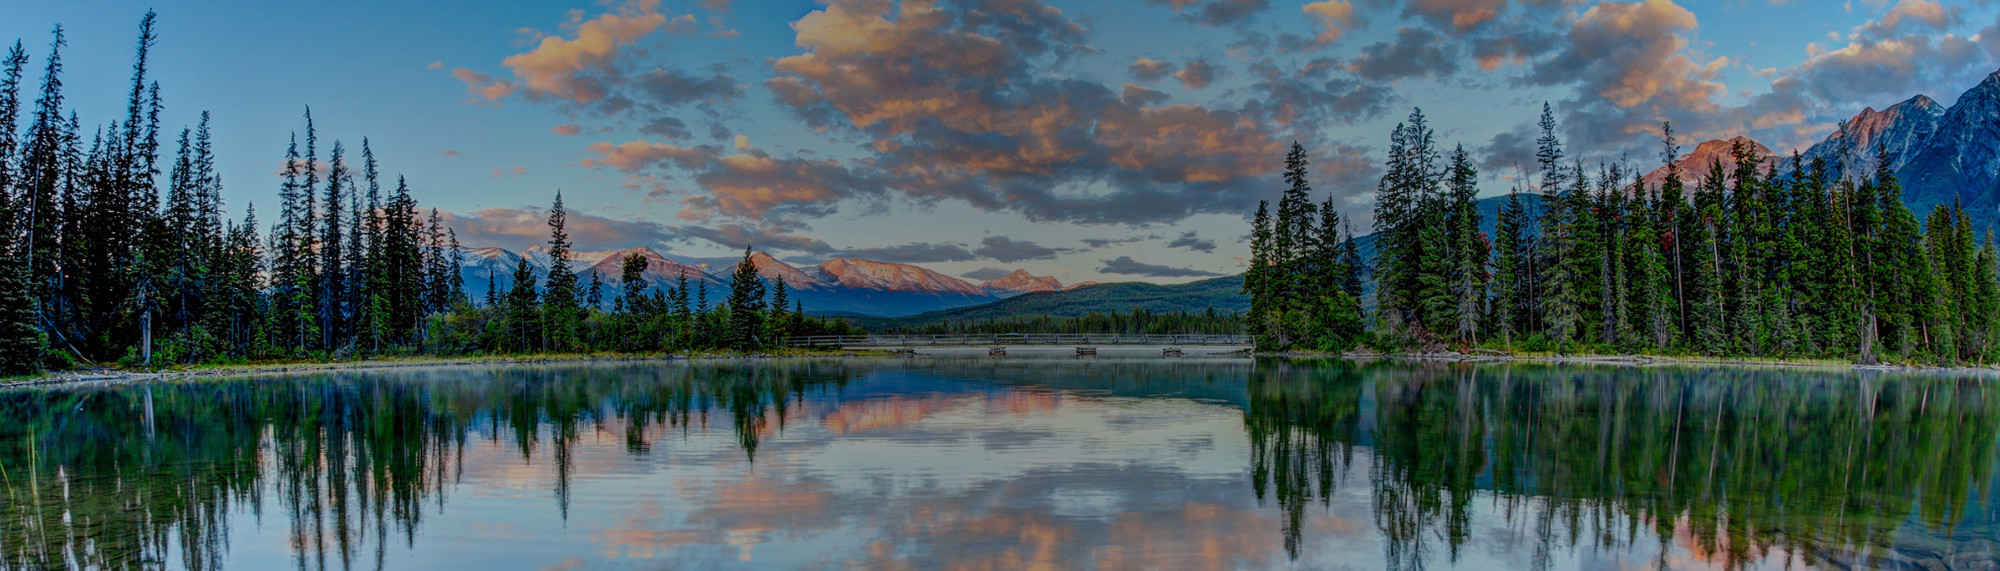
(746, 305)
(1510, 268)
(1468, 246)
(632, 275)
(332, 263)
(523, 310)
(559, 299)
(47, 162)
(1704, 258)
(1257, 278)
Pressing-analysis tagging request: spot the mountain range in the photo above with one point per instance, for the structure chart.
(1940, 154)
(840, 286)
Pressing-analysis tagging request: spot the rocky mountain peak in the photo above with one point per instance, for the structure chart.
(1020, 281)
(1695, 163)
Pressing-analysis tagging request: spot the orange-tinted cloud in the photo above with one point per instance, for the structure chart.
(636, 155)
(1461, 15)
(567, 130)
(557, 65)
(1334, 18)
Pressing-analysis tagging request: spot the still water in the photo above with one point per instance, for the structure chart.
(1008, 463)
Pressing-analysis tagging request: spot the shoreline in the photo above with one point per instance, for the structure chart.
(1633, 360)
(290, 368)
(367, 365)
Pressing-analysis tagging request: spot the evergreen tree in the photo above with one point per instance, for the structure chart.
(1510, 268)
(523, 310)
(632, 275)
(332, 263)
(1468, 246)
(559, 299)
(746, 305)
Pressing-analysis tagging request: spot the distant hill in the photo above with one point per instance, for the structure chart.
(1223, 293)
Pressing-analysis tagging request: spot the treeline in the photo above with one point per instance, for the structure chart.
(1305, 276)
(1746, 262)
(565, 315)
(1136, 322)
(109, 251)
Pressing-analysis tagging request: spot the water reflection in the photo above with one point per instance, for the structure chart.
(1010, 463)
(1733, 467)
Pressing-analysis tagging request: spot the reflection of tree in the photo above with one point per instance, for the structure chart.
(134, 475)
(1301, 421)
(1731, 463)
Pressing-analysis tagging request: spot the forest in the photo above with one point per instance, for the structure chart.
(115, 249)
(1799, 259)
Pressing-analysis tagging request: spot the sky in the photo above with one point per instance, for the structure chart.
(1114, 140)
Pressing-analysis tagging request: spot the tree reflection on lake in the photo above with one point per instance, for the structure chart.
(945, 462)
(1736, 465)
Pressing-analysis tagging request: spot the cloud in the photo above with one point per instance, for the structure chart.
(597, 68)
(1309, 104)
(1125, 265)
(516, 170)
(963, 104)
(913, 253)
(448, 152)
(1004, 249)
(568, 68)
(518, 228)
(1512, 148)
(435, 65)
(1416, 53)
(1197, 74)
(1141, 96)
(1630, 54)
(756, 185)
(1215, 12)
(1102, 242)
(765, 236)
(567, 130)
(637, 155)
(1188, 240)
(1461, 15)
(1149, 70)
(1333, 18)
(1914, 14)
(481, 85)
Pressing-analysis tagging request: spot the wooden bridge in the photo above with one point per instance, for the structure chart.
(1092, 339)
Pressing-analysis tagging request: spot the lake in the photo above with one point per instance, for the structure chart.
(1035, 460)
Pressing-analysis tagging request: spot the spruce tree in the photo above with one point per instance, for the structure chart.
(1510, 268)
(332, 285)
(746, 305)
(1468, 246)
(559, 298)
(632, 276)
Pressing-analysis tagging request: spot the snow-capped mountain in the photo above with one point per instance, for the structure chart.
(774, 270)
(855, 273)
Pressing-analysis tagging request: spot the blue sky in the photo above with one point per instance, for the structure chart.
(971, 135)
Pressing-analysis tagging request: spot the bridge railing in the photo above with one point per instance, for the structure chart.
(838, 341)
